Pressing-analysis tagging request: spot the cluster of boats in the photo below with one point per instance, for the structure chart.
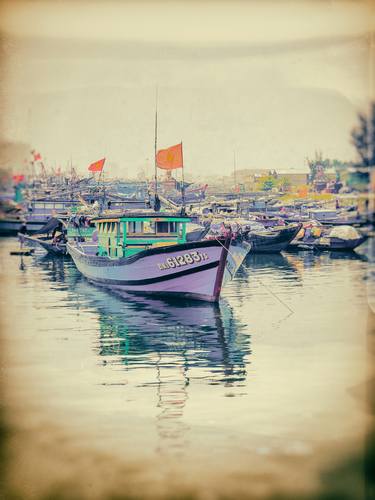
(152, 246)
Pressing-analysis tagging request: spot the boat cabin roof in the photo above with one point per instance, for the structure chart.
(145, 216)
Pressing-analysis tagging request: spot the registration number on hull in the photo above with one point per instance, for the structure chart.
(183, 260)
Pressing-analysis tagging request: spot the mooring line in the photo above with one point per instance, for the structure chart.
(274, 294)
(265, 286)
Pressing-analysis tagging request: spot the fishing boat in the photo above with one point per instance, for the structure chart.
(147, 252)
(337, 217)
(11, 217)
(10, 225)
(51, 237)
(340, 238)
(50, 245)
(272, 240)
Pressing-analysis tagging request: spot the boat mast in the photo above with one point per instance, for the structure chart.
(156, 144)
(183, 181)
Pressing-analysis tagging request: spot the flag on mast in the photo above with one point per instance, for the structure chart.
(97, 166)
(170, 158)
(37, 156)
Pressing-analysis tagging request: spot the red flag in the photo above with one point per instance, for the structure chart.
(37, 156)
(97, 166)
(18, 178)
(170, 158)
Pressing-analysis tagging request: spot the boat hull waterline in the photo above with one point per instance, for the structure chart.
(193, 270)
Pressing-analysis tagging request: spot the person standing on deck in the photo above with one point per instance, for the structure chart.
(21, 233)
(157, 203)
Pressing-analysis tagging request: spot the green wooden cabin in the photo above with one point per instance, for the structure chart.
(127, 235)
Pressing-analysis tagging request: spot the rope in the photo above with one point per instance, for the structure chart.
(274, 294)
(265, 286)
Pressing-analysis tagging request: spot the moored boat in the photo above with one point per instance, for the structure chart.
(274, 240)
(147, 252)
(340, 238)
(50, 245)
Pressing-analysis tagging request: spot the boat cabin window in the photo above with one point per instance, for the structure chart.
(162, 227)
(135, 227)
(166, 227)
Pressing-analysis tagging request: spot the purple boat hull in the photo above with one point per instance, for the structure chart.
(192, 270)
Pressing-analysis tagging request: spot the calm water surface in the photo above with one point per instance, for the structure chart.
(264, 389)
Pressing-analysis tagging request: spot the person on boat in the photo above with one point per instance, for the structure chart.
(337, 204)
(21, 233)
(57, 236)
(109, 204)
(57, 229)
(157, 203)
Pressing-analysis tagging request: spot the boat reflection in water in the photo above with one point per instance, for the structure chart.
(172, 343)
(184, 343)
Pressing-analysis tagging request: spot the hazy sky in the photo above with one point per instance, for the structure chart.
(272, 80)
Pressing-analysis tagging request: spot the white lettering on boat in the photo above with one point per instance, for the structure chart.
(183, 260)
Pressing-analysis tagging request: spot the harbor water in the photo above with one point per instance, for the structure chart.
(261, 395)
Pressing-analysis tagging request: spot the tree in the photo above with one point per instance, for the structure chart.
(266, 183)
(284, 184)
(363, 138)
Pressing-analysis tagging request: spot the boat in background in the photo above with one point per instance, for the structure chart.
(273, 240)
(51, 237)
(339, 238)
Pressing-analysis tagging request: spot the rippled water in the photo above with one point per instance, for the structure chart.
(230, 396)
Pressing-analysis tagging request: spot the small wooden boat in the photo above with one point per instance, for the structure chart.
(340, 238)
(11, 218)
(332, 244)
(51, 237)
(328, 217)
(147, 252)
(48, 244)
(274, 240)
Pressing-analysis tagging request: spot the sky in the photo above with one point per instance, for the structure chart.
(268, 81)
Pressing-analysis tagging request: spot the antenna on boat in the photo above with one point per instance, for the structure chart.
(156, 144)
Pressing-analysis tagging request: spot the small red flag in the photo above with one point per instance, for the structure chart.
(18, 178)
(97, 166)
(170, 158)
(36, 156)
